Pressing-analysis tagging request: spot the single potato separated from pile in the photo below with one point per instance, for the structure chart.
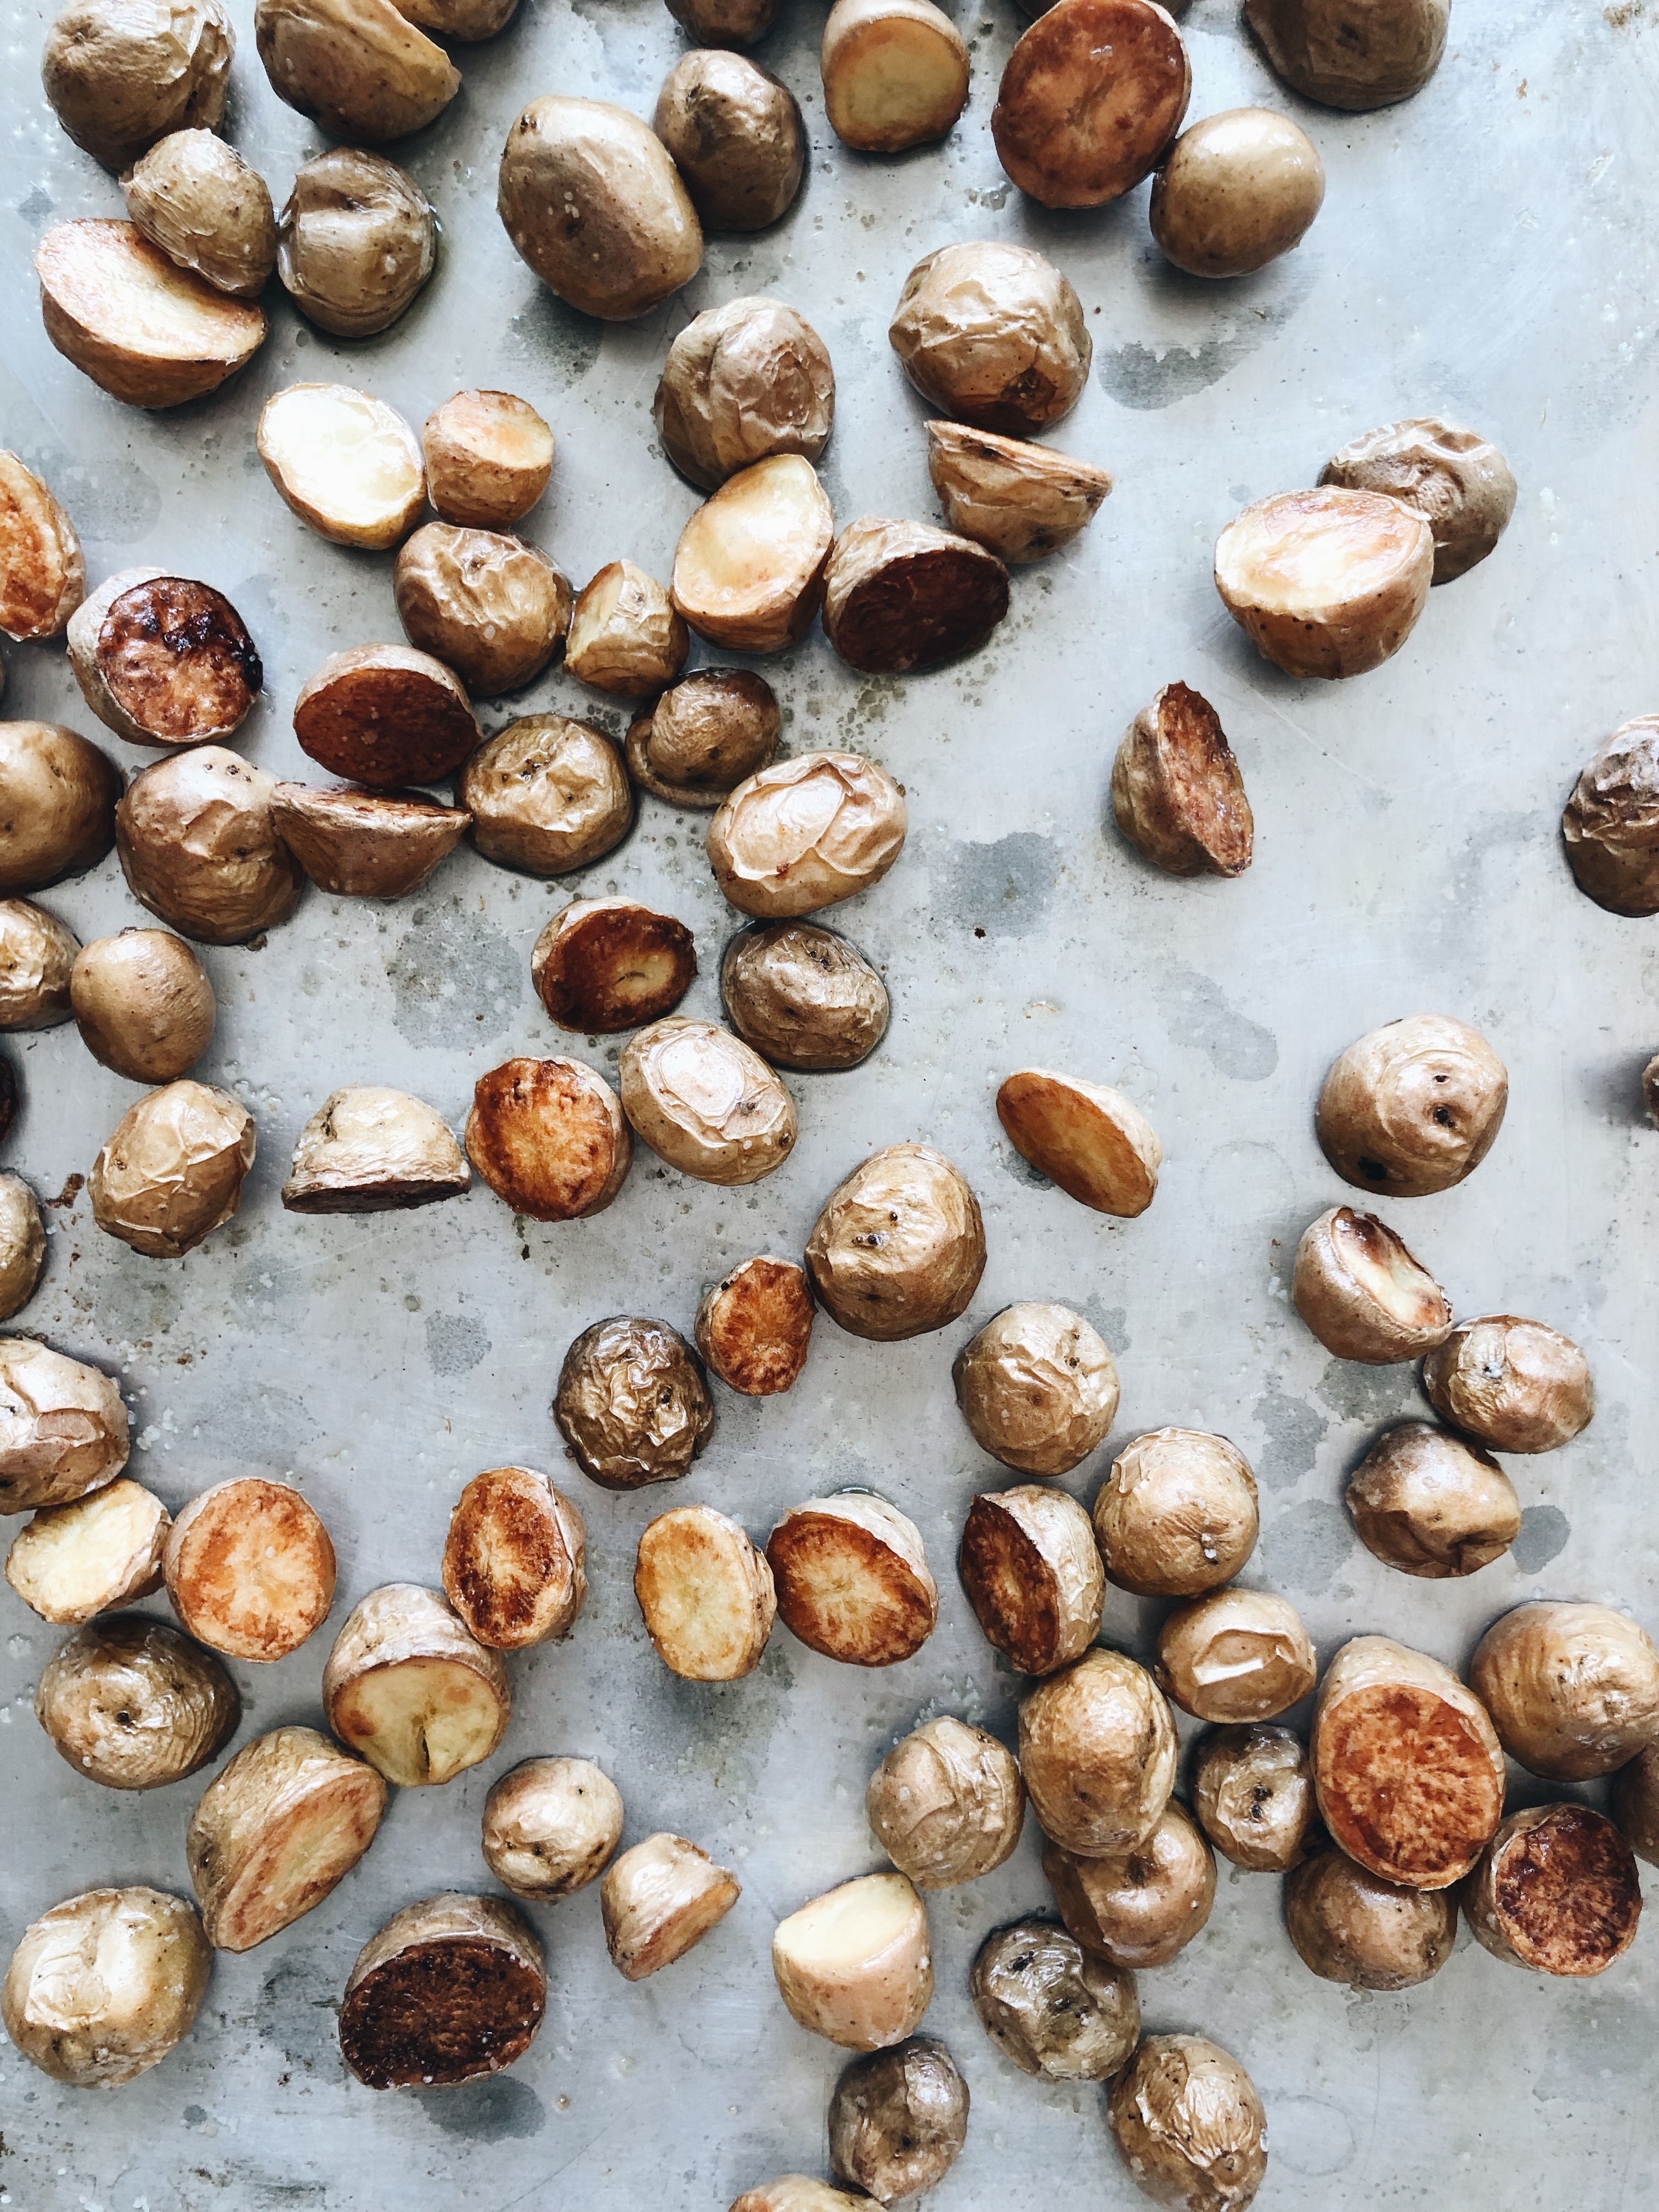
(1236, 1656)
(365, 844)
(905, 596)
(852, 1579)
(1052, 2008)
(344, 461)
(172, 1169)
(489, 456)
(1455, 479)
(1414, 1106)
(804, 997)
(601, 966)
(1348, 55)
(106, 1984)
(1090, 97)
(57, 797)
(895, 73)
(385, 715)
(994, 336)
(356, 243)
(43, 571)
(1518, 1386)
(750, 567)
(358, 67)
(132, 1704)
(550, 1138)
(947, 1804)
(1328, 582)
(1236, 191)
(546, 795)
(449, 1990)
(70, 1562)
(1432, 1503)
(1019, 501)
(898, 2120)
(164, 660)
(1558, 1889)
(490, 607)
(1030, 1566)
(1098, 1752)
(704, 1103)
(1189, 2125)
(806, 833)
(1085, 1137)
(705, 1595)
(1351, 1926)
(121, 74)
(856, 1964)
(23, 1245)
(551, 1825)
(371, 1149)
(899, 1247)
(633, 1403)
(62, 1427)
(736, 137)
(514, 1563)
(755, 1325)
(1573, 1690)
(707, 734)
(1177, 791)
(1611, 822)
(197, 198)
(1363, 1294)
(1253, 1795)
(742, 382)
(249, 1568)
(37, 954)
(198, 840)
(145, 330)
(1141, 1908)
(658, 1900)
(1177, 1515)
(1038, 1388)
(409, 1687)
(144, 1004)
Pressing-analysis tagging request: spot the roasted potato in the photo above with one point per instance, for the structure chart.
(131, 1704)
(593, 203)
(385, 715)
(899, 1247)
(1573, 1690)
(1098, 1751)
(1052, 2008)
(62, 1427)
(1557, 1889)
(994, 336)
(1649, 1090)
(468, 20)
(1253, 1795)
(356, 243)
(1611, 822)
(1037, 1387)
(121, 75)
(449, 1990)
(1143, 1908)
(741, 383)
(23, 1245)
(1407, 1767)
(515, 1560)
(344, 461)
(368, 1150)
(551, 1825)
(895, 73)
(1517, 1385)
(43, 571)
(409, 1687)
(1325, 583)
(1432, 1503)
(197, 198)
(1414, 1106)
(70, 1562)
(855, 1965)
(1363, 1294)
(172, 1169)
(1235, 192)
(852, 1580)
(1033, 1575)
(947, 1804)
(1455, 479)
(1188, 2124)
(601, 966)
(705, 1595)
(797, 2192)
(280, 1828)
(1635, 1802)
(898, 2120)
(249, 1568)
(755, 1325)
(494, 610)
(164, 660)
(37, 963)
(704, 736)
(103, 1986)
(902, 596)
(1177, 1515)
(704, 1103)
(1177, 792)
(546, 795)
(1086, 1137)
(1349, 55)
(1236, 1654)
(625, 636)
(657, 1900)
(359, 67)
(143, 1004)
(804, 997)
(550, 1138)
(806, 833)
(145, 330)
(197, 838)
(1352, 1927)
(1090, 98)
(750, 567)
(724, 22)
(1020, 502)
(632, 1403)
(365, 844)
(736, 137)
(489, 456)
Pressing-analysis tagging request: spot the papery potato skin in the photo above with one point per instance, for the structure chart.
(1557, 1889)
(546, 795)
(601, 966)
(62, 1427)
(550, 1138)
(1351, 1926)
(1236, 191)
(139, 1963)
(741, 382)
(143, 1005)
(43, 571)
(860, 38)
(1143, 1907)
(755, 1325)
(1019, 501)
(490, 607)
(898, 2120)
(1330, 1290)
(1098, 1752)
(1177, 1515)
(1353, 54)
(355, 242)
(993, 336)
(803, 996)
(197, 198)
(450, 1989)
(899, 1247)
(779, 850)
(1033, 1575)
(1611, 822)
(1432, 1503)
(359, 67)
(549, 1825)
(658, 1900)
(797, 2192)
(1037, 1387)
(1051, 2007)
(132, 1704)
(368, 1150)
(57, 794)
(1090, 96)
(121, 74)
(1518, 1386)
(632, 1403)
(706, 1102)
(470, 478)
(707, 734)
(1573, 1690)
(199, 847)
(1177, 791)
(172, 1169)
(22, 1244)
(1300, 616)
(947, 1804)
(1412, 1108)
(514, 1560)
(900, 596)
(1457, 481)
(736, 137)
(626, 635)
(365, 844)
(97, 279)
(1236, 1656)
(1189, 2125)
(37, 954)
(1253, 1795)
(63, 1591)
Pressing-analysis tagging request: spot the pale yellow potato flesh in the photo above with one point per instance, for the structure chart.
(855, 1965)
(345, 462)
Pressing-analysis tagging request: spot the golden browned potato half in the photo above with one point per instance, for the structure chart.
(1253, 1795)
(1432, 1503)
(755, 1325)
(736, 137)
(704, 736)
(1363, 1294)
(626, 636)
(1238, 189)
(43, 571)
(1177, 790)
(1326, 583)
(1408, 1769)
(450, 1989)
(749, 570)
(120, 73)
(103, 1986)
(494, 610)
(1030, 1566)
(359, 67)
(633, 1404)
(249, 1568)
(356, 243)
(279, 1828)
(1517, 1385)
(551, 1825)
(1236, 1654)
(705, 1595)
(895, 73)
(344, 461)
(804, 997)
(1573, 1690)
(1177, 1515)
(901, 596)
(741, 382)
(657, 1900)
(806, 833)
(1352, 1927)
(1141, 1908)
(898, 2120)
(1455, 479)
(197, 198)
(365, 844)
(1020, 502)
(145, 330)
(369, 1150)
(852, 1579)
(385, 715)
(172, 1169)
(593, 204)
(1188, 2125)
(22, 1244)
(132, 1704)
(62, 1427)
(947, 1804)
(1085, 1137)
(550, 1138)
(1557, 1889)
(57, 797)
(37, 964)
(489, 456)
(546, 795)
(164, 660)
(1351, 53)
(855, 1965)
(604, 965)
(724, 22)
(412, 1689)
(514, 1564)
(199, 847)
(1414, 1106)
(899, 1247)
(1611, 822)
(70, 1562)
(1090, 97)
(1051, 2007)
(1635, 1802)
(1098, 1750)
(704, 1103)
(994, 336)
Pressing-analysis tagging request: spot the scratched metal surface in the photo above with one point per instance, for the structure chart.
(1485, 250)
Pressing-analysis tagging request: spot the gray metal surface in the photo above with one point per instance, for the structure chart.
(1485, 250)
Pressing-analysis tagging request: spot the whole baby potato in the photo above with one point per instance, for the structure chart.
(356, 241)
(57, 796)
(37, 960)
(1413, 1108)
(1178, 1513)
(1351, 53)
(736, 138)
(1238, 190)
(1432, 1503)
(806, 833)
(633, 1404)
(1517, 1385)
(104, 1985)
(899, 1247)
(802, 996)
(199, 847)
(359, 66)
(993, 335)
(1098, 1752)
(1611, 822)
(706, 735)
(172, 1169)
(1051, 2007)
(120, 73)
(1188, 2125)
(1573, 1690)
(493, 608)
(546, 795)
(22, 1244)
(898, 2120)
(1253, 1795)
(143, 1004)
(62, 1427)
(1457, 481)
(947, 1804)
(1351, 1926)
(133, 1704)
(551, 1825)
(742, 382)
(1037, 1387)
(489, 456)
(1236, 1654)
(197, 198)
(1142, 1907)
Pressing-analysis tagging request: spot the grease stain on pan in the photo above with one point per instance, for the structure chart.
(455, 979)
(554, 339)
(1197, 1010)
(1293, 1433)
(498, 2109)
(1371, 1395)
(1545, 1534)
(1249, 1182)
(1305, 1547)
(1185, 358)
(455, 1343)
(1310, 2136)
(1003, 888)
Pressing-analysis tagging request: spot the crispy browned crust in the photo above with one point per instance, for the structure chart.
(385, 715)
(1405, 1784)
(212, 1567)
(440, 2012)
(513, 1564)
(929, 597)
(1557, 1889)
(614, 966)
(1090, 96)
(811, 1555)
(1011, 1587)
(178, 661)
(1087, 1137)
(549, 1138)
(754, 1326)
(1177, 793)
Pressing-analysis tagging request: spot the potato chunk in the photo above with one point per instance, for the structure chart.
(855, 1965)
(947, 1804)
(370, 1150)
(249, 1568)
(489, 456)
(1326, 583)
(359, 67)
(898, 2120)
(1085, 1137)
(37, 954)
(279, 1828)
(362, 844)
(172, 1169)
(62, 1427)
(494, 610)
(43, 571)
(71, 1562)
(1236, 1656)
(625, 637)
(1431, 1503)
(449, 1990)
(23, 1245)
(852, 1581)
(344, 461)
(706, 1102)
(737, 139)
(1414, 1106)
(546, 795)
(903, 596)
(1177, 792)
(197, 198)
(163, 661)
(705, 1594)
(754, 1326)
(1141, 1908)
(550, 1138)
(633, 1404)
(1519, 1386)
(1253, 1795)
(1238, 190)
(1098, 1750)
(57, 796)
(993, 335)
(514, 1564)
(1348, 57)
(550, 1825)
(1033, 1575)
(1050, 2007)
(409, 1688)
(1020, 502)
(199, 847)
(1457, 481)
(609, 964)
(895, 73)
(742, 381)
(119, 76)
(384, 715)
(704, 736)
(1037, 1387)
(749, 570)
(1188, 2125)
(1090, 97)
(1557, 1889)
(143, 330)
(806, 833)
(898, 1249)
(103, 1986)
(658, 1900)
(1363, 1294)
(132, 1704)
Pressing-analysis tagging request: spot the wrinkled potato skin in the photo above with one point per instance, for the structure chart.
(371, 1149)
(1143, 1908)
(797, 2192)
(1097, 1752)
(121, 74)
(1050, 2007)
(751, 564)
(1038, 1389)
(736, 137)
(546, 795)
(993, 336)
(1177, 1515)
(704, 1103)
(626, 635)
(1573, 1690)
(1189, 2125)
(1090, 97)
(43, 571)
(37, 963)
(931, 1258)
(724, 22)
(131, 1704)
(1020, 502)
(632, 1403)
(742, 382)
(197, 198)
(803, 997)
(947, 1804)
(1238, 190)
(365, 844)
(1352, 1927)
(1517, 1385)
(122, 1975)
(551, 1825)
(1432, 1503)
(172, 1169)
(1253, 1795)
(1636, 1803)
(143, 1004)
(898, 2120)
(1354, 54)
(1557, 1890)
(357, 66)
(62, 1427)
(1611, 822)
(1332, 1289)
(658, 1900)
(707, 734)
(495, 610)
(757, 852)
(57, 796)
(1236, 1656)
(1177, 791)
(1457, 481)
(356, 241)
(1412, 1108)
(23, 1245)
(489, 456)
(199, 847)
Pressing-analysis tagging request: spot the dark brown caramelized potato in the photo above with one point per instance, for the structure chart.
(1030, 1566)
(550, 1138)
(450, 1989)
(605, 965)
(1177, 793)
(513, 1565)
(899, 596)
(164, 661)
(1090, 97)
(754, 1326)
(385, 715)
(1557, 1889)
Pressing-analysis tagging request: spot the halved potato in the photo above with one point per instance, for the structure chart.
(1090, 97)
(371, 1149)
(550, 1138)
(363, 844)
(899, 596)
(62, 1427)
(1020, 502)
(360, 67)
(143, 330)
(412, 1689)
(385, 715)
(749, 569)
(249, 1568)
(806, 833)
(1363, 1294)
(199, 847)
(344, 461)
(171, 1171)
(73, 1561)
(23, 1245)
(164, 660)
(43, 572)
(1088, 1138)
(706, 1102)
(855, 1965)
(1557, 1889)
(1098, 1752)
(754, 1326)
(514, 1564)
(121, 74)
(705, 1595)
(131, 1704)
(1349, 58)
(658, 1900)
(450, 1989)
(625, 637)
(1177, 793)
(547, 795)
(550, 1825)
(1032, 1573)
(895, 73)
(797, 2192)
(609, 964)
(898, 1247)
(704, 736)
(37, 954)
(1325, 583)
(852, 1580)
(489, 456)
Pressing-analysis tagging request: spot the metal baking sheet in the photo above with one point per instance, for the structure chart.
(1485, 250)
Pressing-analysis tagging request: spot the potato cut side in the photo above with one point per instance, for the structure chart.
(409, 1687)
(754, 1326)
(1092, 95)
(1177, 793)
(855, 1965)
(514, 1565)
(895, 73)
(1088, 1138)
(71, 1562)
(385, 715)
(143, 330)
(657, 1900)
(1019, 501)
(1363, 1294)
(550, 1138)
(1326, 583)
(43, 572)
(899, 596)
(705, 1595)
(1557, 1890)
(450, 1989)
(749, 568)
(1032, 1573)
(249, 1568)
(345, 462)
(852, 1581)
(605, 965)
(362, 844)
(167, 661)
(489, 456)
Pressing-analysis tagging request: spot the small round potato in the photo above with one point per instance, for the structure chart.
(806, 833)
(37, 963)
(62, 1427)
(365, 844)
(947, 1804)
(43, 571)
(546, 795)
(385, 715)
(742, 382)
(344, 461)
(410, 1687)
(371, 1149)
(904, 596)
(1086, 1137)
(803, 997)
(705, 1595)
(1098, 1752)
(106, 1984)
(1573, 1690)
(724, 22)
(495, 610)
(1455, 479)
(1030, 1566)
(898, 1247)
(164, 660)
(852, 1580)
(143, 1004)
(632, 1403)
(70, 1562)
(550, 1138)
(249, 1568)
(146, 331)
(514, 1563)
(551, 1825)
(489, 456)
(359, 67)
(1253, 1795)
(1177, 792)
(856, 1965)
(197, 198)
(1090, 97)
(1363, 1294)
(994, 336)
(199, 847)
(1052, 2008)
(57, 796)
(1352, 1927)
(625, 637)
(750, 567)
(1188, 2123)
(1177, 1515)
(604, 965)
(1020, 502)
(1432, 1503)
(1326, 583)
(898, 2120)
(895, 73)
(1517, 1385)
(1414, 1106)
(22, 1244)
(1635, 1802)
(1141, 1908)
(704, 1103)
(119, 76)
(451, 1989)
(657, 1900)
(356, 241)
(1557, 1889)
(172, 1169)
(1611, 822)
(1037, 1387)
(736, 138)
(755, 1325)
(1236, 1655)
(1349, 56)
(1238, 189)
(131, 1704)
(706, 735)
